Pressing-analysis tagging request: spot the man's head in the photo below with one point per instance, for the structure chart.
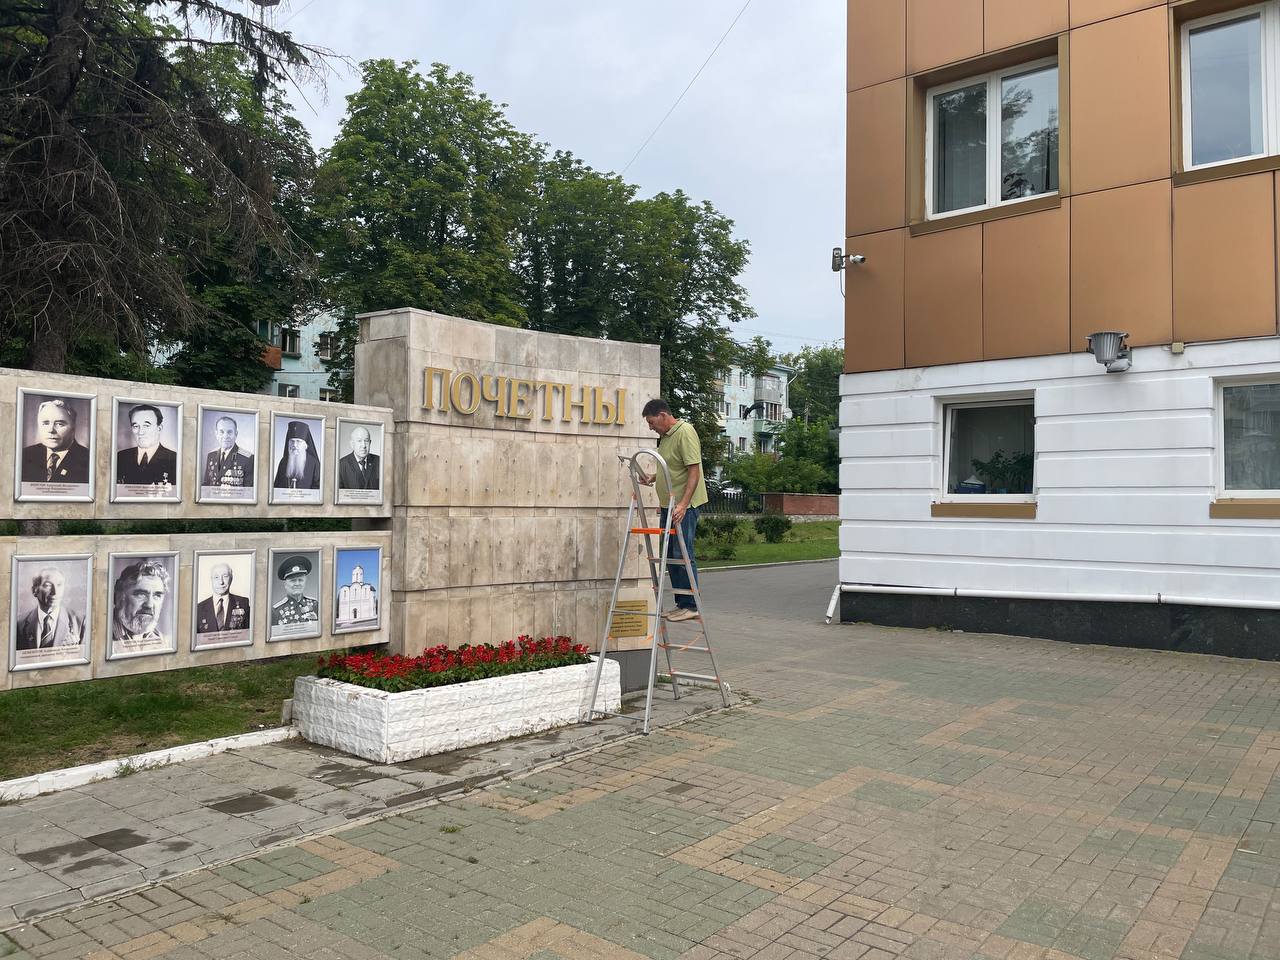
(294, 572)
(47, 587)
(360, 440)
(139, 596)
(145, 420)
(220, 579)
(56, 423)
(658, 416)
(227, 432)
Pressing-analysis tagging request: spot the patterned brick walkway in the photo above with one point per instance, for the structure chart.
(888, 793)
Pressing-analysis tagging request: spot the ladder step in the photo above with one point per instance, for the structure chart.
(683, 593)
(652, 530)
(679, 675)
(680, 649)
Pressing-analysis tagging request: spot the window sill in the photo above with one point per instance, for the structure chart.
(1034, 205)
(1224, 171)
(1245, 508)
(984, 511)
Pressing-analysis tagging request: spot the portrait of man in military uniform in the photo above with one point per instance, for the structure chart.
(228, 439)
(145, 467)
(295, 594)
(142, 614)
(223, 599)
(297, 449)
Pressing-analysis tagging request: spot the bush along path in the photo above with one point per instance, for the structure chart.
(771, 538)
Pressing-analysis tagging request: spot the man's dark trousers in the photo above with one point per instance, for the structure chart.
(680, 574)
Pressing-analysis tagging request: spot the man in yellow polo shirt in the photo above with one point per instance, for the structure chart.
(680, 447)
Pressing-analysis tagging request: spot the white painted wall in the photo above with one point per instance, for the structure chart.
(1126, 466)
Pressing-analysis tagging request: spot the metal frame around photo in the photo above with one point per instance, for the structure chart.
(271, 463)
(20, 408)
(381, 455)
(86, 646)
(201, 456)
(116, 403)
(110, 602)
(277, 552)
(333, 588)
(252, 553)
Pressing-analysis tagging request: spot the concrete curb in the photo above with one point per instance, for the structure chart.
(759, 566)
(24, 788)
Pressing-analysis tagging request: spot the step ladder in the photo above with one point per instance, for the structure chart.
(660, 635)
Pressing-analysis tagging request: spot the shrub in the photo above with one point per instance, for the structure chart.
(720, 537)
(773, 527)
(439, 666)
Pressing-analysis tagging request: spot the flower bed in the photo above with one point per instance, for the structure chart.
(390, 709)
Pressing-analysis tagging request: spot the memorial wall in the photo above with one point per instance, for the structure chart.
(511, 501)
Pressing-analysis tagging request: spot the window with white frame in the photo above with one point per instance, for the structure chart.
(324, 347)
(1230, 87)
(290, 342)
(1250, 439)
(328, 393)
(990, 448)
(288, 389)
(977, 155)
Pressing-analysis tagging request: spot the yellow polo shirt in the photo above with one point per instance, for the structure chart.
(681, 449)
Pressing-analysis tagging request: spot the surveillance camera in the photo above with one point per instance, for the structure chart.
(1110, 350)
(857, 258)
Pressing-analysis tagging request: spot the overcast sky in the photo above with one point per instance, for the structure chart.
(760, 134)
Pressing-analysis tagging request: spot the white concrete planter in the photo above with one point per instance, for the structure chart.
(390, 727)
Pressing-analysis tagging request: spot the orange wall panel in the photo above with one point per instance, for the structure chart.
(1224, 282)
(876, 158)
(1122, 264)
(877, 41)
(1120, 101)
(943, 301)
(1007, 22)
(1025, 294)
(1089, 11)
(873, 308)
(942, 31)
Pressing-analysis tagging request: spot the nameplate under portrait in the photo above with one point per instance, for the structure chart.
(51, 601)
(147, 449)
(358, 468)
(54, 456)
(297, 458)
(227, 446)
(222, 599)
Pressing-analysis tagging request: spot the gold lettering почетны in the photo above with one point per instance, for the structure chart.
(516, 398)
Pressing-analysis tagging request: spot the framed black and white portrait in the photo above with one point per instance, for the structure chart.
(297, 458)
(147, 446)
(295, 594)
(358, 471)
(357, 593)
(54, 459)
(144, 604)
(222, 599)
(227, 449)
(51, 603)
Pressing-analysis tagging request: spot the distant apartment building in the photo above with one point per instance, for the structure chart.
(753, 409)
(298, 354)
(1024, 178)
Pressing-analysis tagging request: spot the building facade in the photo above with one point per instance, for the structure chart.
(753, 409)
(298, 354)
(1022, 174)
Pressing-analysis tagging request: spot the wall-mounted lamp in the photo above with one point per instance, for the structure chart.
(1109, 349)
(838, 259)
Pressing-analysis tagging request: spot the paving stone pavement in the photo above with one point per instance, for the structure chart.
(886, 793)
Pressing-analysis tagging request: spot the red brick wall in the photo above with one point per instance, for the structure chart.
(803, 504)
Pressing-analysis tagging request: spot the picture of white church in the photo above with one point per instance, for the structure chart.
(357, 575)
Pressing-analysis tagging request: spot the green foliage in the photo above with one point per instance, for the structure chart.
(808, 462)
(773, 527)
(815, 392)
(756, 356)
(419, 202)
(1006, 473)
(124, 172)
(718, 537)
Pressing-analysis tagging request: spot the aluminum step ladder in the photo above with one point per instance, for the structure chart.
(660, 635)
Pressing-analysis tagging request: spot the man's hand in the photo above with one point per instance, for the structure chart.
(678, 512)
(647, 479)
